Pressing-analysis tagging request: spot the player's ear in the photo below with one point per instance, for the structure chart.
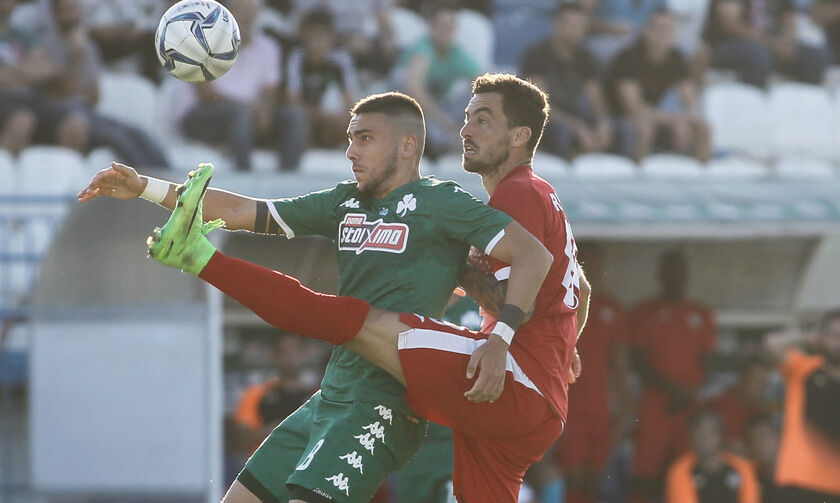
(521, 136)
(408, 146)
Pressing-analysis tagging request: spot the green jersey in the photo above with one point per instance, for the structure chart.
(404, 253)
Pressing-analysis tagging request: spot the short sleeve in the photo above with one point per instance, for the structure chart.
(309, 214)
(465, 218)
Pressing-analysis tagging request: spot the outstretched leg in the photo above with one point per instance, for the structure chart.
(278, 299)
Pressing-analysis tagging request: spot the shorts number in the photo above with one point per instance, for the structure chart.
(310, 456)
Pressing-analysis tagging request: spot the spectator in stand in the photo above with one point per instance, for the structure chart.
(616, 23)
(650, 89)
(756, 37)
(708, 472)
(124, 31)
(589, 436)
(762, 448)
(671, 338)
(363, 28)
(263, 405)
(579, 120)
(65, 104)
(743, 403)
(437, 73)
(826, 13)
(22, 64)
(241, 107)
(808, 465)
(317, 68)
(517, 25)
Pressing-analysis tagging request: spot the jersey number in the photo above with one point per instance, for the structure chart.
(571, 280)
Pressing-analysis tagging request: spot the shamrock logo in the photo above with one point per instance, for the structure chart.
(408, 203)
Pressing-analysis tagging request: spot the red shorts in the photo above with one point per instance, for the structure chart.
(493, 443)
(661, 437)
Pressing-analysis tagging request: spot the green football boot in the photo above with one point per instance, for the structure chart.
(181, 242)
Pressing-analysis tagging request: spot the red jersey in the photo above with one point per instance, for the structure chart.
(544, 346)
(605, 327)
(673, 336)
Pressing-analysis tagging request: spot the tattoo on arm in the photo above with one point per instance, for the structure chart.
(485, 289)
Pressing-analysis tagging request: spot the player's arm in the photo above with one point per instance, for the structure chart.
(529, 264)
(484, 288)
(123, 182)
(583, 308)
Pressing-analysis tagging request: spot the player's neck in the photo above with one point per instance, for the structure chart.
(398, 180)
(493, 177)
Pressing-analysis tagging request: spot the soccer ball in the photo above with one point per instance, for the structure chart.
(197, 40)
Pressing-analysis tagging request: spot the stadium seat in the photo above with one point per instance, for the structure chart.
(550, 167)
(47, 170)
(603, 166)
(739, 117)
(672, 166)
(792, 167)
(128, 97)
(474, 34)
(734, 166)
(690, 16)
(99, 159)
(448, 164)
(187, 154)
(408, 26)
(8, 174)
(326, 161)
(803, 120)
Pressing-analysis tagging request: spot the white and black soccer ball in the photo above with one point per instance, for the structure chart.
(197, 40)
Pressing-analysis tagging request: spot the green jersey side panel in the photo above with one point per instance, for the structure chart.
(403, 253)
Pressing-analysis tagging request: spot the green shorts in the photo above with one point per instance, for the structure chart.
(340, 450)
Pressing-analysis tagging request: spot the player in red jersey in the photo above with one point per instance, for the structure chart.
(585, 446)
(450, 373)
(670, 339)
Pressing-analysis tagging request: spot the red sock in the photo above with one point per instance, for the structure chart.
(284, 303)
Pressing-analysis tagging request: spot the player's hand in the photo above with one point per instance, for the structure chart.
(119, 181)
(489, 362)
(577, 368)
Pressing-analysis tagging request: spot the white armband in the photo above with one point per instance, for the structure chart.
(155, 190)
(504, 331)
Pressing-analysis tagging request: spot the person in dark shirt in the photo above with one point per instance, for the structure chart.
(709, 474)
(579, 121)
(756, 37)
(317, 68)
(650, 90)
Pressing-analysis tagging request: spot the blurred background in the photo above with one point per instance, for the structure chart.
(695, 145)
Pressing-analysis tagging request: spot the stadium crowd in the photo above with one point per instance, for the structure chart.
(623, 77)
(647, 417)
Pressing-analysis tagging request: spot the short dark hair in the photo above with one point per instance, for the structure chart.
(318, 17)
(391, 104)
(523, 103)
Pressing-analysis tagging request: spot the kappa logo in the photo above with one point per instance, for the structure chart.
(384, 412)
(350, 203)
(354, 459)
(341, 482)
(357, 234)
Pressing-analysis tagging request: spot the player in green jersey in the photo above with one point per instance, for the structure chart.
(401, 242)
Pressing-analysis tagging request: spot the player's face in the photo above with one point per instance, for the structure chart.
(373, 152)
(486, 135)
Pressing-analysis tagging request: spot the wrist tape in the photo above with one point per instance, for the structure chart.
(155, 190)
(509, 320)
